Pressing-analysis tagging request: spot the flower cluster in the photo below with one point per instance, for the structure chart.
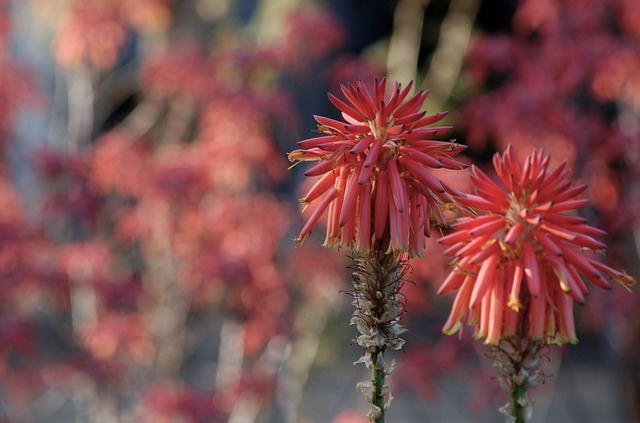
(374, 169)
(94, 32)
(519, 264)
(532, 74)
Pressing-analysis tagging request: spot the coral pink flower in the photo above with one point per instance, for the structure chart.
(518, 263)
(374, 178)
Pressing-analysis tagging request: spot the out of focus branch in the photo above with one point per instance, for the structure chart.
(269, 19)
(144, 116)
(447, 59)
(311, 323)
(168, 313)
(180, 115)
(230, 355)
(404, 46)
(80, 103)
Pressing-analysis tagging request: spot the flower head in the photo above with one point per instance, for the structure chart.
(519, 263)
(373, 169)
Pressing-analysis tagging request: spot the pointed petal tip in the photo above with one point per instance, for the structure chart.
(299, 240)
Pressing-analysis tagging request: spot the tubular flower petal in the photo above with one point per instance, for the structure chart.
(518, 254)
(378, 162)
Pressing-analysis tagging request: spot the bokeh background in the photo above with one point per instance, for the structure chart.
(147, 265)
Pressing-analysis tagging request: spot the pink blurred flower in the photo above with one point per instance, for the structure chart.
(86, 262)
(310, 32)
(170, 402)
(93, 33)
(118, 337)
(518, 251)
(180, 71)
(374, 172)
(120, 162)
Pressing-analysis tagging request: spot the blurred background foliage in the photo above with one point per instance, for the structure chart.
(148, 272)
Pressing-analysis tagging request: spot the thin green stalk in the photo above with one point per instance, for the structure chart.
(377, 376)
(518, 393)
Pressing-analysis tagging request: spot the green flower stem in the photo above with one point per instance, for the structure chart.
(377, 376)
(518, 393)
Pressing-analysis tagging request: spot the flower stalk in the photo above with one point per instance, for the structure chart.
(520, 263)
(378, 377)
(377, 280)
(518, 397)
(374, 183)
(518, 360)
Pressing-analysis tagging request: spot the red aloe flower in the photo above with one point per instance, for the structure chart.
(373, 169)
(522, 253)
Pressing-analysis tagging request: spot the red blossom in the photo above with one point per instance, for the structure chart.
(93, 33)
(118, 163)
(118, 338)
(85, 262)
(519, 253)
(182, 70)
(574, 65)
(242, 153)
(374, 169)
